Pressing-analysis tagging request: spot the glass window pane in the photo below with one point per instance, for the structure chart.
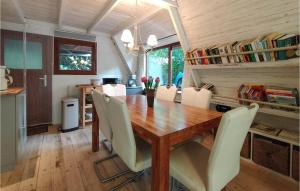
(74, 57)
(157, 61)
(13, 54)
(177, 66)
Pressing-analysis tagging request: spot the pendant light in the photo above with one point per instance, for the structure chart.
(126, 37)
(152, 40)
(131, 42)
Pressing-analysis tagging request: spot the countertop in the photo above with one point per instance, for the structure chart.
(11, 91)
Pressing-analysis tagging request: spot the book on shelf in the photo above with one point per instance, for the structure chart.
(223, 51)
(290, 135)
(222, 54)
(215, 52)
(235, 48)
(201, 53)
(281, 95)
(266, 129)
(275, 44)
(251, 92)
(268, 41)
(230, 51)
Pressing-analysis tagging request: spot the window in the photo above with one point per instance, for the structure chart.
(74, 57)
(167, 63)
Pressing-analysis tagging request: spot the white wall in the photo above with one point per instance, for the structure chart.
(109, 64)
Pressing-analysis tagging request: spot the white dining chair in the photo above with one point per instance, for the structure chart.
(201, 99)
(192, 97)
(114, 89)
(106, 131)
(135, 153)
(120, 90)
(199, 169)
(165, 93)
(108, 89)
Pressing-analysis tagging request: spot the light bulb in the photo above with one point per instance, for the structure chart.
(126, 36)
(152, 40)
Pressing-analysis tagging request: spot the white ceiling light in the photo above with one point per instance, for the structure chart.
(132, 42)
(152, 40)
(126, 37)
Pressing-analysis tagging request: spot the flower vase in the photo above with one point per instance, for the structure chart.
(150, 97)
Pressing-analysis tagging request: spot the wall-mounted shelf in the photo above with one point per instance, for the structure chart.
(272, 64)
(277, 112)
(247, 52)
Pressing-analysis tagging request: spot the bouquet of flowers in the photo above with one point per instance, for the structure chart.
(149, 83)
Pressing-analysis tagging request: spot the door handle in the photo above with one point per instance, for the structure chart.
(45, 80)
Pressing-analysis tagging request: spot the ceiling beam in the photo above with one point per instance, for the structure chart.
(19, 10)
(163, 3)
(178, 26)
(140, 20)
(61, 12)
(112, 4)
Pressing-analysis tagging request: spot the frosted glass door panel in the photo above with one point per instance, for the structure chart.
(13, 54)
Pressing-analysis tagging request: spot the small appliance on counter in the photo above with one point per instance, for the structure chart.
(5, 78)
(131, 81)
(110, 80)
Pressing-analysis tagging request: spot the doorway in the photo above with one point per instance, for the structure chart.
(35, 75)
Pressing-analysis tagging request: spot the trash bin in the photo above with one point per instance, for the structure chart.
(70, 114)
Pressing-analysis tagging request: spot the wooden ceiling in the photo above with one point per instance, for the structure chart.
(84, 14)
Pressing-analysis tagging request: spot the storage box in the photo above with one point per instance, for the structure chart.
(246, 147)
(295, 169)
(271, 153)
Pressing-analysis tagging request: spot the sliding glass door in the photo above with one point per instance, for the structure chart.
(167, 63)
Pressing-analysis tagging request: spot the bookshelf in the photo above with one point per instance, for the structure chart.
(277, 112)
(248, 52)
(271, 64)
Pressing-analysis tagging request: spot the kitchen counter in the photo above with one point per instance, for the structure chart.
(11, 91)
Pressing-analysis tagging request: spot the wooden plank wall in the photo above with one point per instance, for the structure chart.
(221, 21)
(224, 21)
(227, 81)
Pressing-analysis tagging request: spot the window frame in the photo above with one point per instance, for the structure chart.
(170, 48)
(59, 41)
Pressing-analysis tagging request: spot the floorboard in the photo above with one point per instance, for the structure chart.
(64, 162)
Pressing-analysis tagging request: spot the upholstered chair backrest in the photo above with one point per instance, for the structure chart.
(105, 129)
(108, 89)
(123, 138)
(166, 94)
(224, 160)
(192, 97)
(120, 90)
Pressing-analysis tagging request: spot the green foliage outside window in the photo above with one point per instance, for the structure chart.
(157, 63)
(75, 62)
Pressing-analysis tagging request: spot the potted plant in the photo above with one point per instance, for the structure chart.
(150, 89)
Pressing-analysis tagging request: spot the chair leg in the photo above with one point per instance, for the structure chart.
(172, 183)
(104, 143)
(127, 181)
(108, 179)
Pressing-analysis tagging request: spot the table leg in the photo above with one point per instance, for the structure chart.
(95, 131)
(160, 165)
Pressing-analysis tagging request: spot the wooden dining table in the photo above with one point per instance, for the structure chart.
(164, 125)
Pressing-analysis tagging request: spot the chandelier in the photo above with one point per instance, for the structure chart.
(131, 42)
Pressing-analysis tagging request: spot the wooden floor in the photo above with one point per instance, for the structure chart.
(64, 161)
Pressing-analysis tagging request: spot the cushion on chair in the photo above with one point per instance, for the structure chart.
(188, 165)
